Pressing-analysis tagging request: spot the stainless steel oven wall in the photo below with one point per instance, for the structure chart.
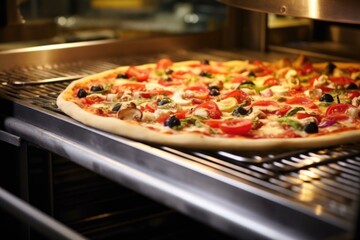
(314, 28)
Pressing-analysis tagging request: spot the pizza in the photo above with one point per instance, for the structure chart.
(222, 105)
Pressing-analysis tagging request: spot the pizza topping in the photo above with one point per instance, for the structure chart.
(172, 122)
(140, 75)
(330, 67)
(227, 104)
(352, 86)
(96, 88)
(241, 111)
(214, 90)
(164, 101)
(326, 98)
(81, 93)
(234, 99)
(356, 101)
(208, 109)
(311, 127)
(236, 126)
(130, 113)
(116, 107)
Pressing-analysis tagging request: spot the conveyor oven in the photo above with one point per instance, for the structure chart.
(63, 180)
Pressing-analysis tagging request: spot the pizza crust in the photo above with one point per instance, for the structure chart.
(135, 131)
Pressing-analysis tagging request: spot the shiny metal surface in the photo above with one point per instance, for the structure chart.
(345, 11)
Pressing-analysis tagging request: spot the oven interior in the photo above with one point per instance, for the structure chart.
(306, 194)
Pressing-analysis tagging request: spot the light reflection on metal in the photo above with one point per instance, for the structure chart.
(306, 193)
(318, 210)
(313, 8)
(346, 11)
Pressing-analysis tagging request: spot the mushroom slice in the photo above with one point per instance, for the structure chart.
(130, 114)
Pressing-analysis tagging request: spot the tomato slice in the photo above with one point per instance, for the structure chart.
(199, 92)
(140, 75)
(306, 69)
(336, 109)
(239, 95)
(164, 63)
(265, 103)
(213, 109)
(181, 74)
(352, 94)
(236, 126)
(213, 123)
(302, 101)
(239, 79)
(342, 80)
(271, 82)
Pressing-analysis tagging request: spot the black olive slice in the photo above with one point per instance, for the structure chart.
(164, 101)
(116, 107)
(205, 74)
(169, 71)
(81, 93)
(352, 86)
(326, 98)
(311, 127)
(172, 121)
(251, 74)
(122, 75)
(330, 67)
(96, 88)
(240, 111)
(214, 90)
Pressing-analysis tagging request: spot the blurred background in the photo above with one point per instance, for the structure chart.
(38, 22)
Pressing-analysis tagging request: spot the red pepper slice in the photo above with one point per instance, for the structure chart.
(302, 115)
(150, 107)
(283, 110)
(91, 100)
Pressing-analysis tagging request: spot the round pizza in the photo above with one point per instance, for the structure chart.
(223, 105)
